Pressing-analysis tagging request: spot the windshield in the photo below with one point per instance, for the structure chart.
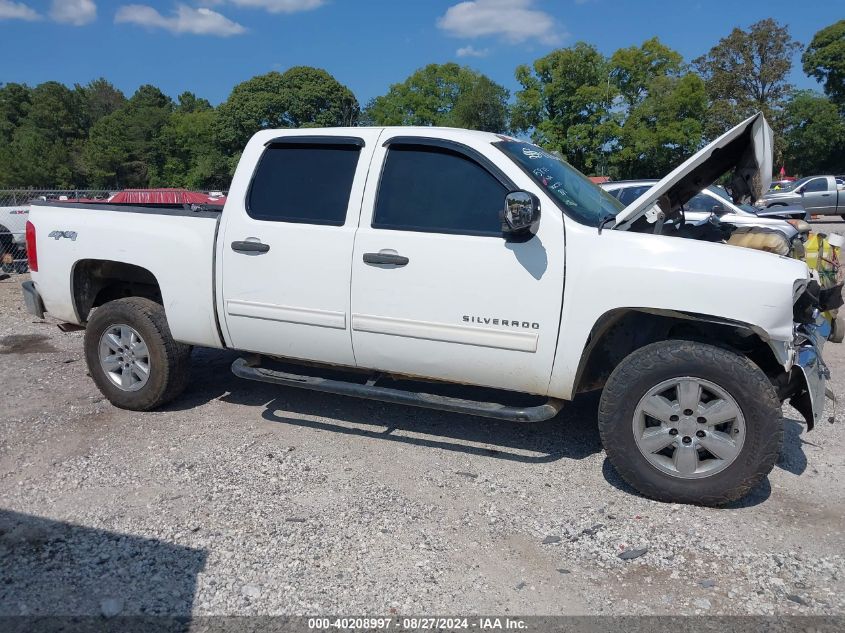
(787, 186)
(576, 194)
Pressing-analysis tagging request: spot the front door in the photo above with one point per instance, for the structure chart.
(287, 247)
(817, 198)
(437, 291)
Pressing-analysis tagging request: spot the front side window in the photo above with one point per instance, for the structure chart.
(579, 197)
(817, 184)
(437, 190)
(305, 183)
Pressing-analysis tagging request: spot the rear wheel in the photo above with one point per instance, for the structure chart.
(688, 422)
(132, 356)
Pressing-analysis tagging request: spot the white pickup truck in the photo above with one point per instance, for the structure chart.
(418, 258)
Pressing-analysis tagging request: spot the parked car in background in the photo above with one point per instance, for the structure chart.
(12, 237)
(713, 199)
(712, 206)
(819, 195)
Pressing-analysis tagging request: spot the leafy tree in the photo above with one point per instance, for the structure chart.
(191, 158)
(100, 98)
(300, 97)
(444, 95)
(815, 135)
(44, 146)
(746, 72)
(189, 102)
(123, 148)
(824, 60)
(662, 130)
(15, 101)
(565, 103)
(634, 68)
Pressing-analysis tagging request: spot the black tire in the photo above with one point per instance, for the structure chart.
(170, 362)
(739, 377)
(842, 216)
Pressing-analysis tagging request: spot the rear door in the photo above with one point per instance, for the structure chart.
(437, 291)
(287, 246)
(817, 196)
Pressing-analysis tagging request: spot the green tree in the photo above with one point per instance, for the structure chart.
(746, 72)
(123, 148)
(191, 158)
(44, 146)
(662, 130)
(634, 68)
(15, 101)
(300, 97)
(565, 104)
(814, 141)
(824, 60)
(100, 98)
(189, 102)
(444, 95)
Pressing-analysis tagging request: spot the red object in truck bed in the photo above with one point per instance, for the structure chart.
(164, 196)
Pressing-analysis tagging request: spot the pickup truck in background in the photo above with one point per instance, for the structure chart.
(415, 265)
(819, 195)
(12, 241)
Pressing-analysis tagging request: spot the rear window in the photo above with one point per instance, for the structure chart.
(627, 195)
(307, 183)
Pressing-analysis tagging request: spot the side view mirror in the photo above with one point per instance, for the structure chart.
(718, 209)
(800, 191)
(521, 213)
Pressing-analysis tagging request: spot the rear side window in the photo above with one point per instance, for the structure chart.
(437, 190)
(307, 183)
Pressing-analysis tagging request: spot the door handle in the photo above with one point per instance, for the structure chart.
(250, 247)
(385, 258)
(825, 195)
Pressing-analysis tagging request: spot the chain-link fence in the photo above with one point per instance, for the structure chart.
(14, 212)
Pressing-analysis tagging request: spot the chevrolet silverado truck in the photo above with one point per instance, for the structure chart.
(819, 195)
(464, 271)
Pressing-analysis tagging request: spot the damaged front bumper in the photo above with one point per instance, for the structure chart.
(810, 373)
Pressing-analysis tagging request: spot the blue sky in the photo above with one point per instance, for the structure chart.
(208, 46)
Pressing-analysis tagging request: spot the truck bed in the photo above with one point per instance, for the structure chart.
(175, 244)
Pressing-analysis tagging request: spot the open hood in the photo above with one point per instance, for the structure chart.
(746, 150)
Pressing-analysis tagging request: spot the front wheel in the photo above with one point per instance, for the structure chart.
(132, 356)
(687, 422)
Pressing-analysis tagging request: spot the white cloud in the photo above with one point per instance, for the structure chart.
(186, 19)
(514, 20)
(17, 11)
(280, 6)
(471, 51)
(76, 12)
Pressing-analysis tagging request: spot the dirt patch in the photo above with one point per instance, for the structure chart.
(26, 344)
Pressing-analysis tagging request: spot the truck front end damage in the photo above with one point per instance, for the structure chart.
(807, 373)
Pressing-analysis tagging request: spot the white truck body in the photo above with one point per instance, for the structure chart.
(466, 307)
(13, 221)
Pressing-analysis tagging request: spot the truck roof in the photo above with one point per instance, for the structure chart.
(412, 130)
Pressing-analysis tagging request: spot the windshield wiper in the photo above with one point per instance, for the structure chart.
(606, 219)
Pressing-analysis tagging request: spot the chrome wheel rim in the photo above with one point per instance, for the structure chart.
(689, 427)
(124, 357)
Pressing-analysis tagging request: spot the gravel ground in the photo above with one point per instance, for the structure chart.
(244, 498)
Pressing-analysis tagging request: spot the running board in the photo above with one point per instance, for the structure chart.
(242, 369)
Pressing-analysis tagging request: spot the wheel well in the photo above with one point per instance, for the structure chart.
(620, 332)
(97, 281)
